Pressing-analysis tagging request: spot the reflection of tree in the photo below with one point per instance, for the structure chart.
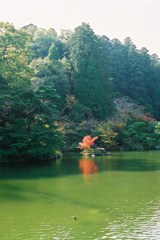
(87, 166)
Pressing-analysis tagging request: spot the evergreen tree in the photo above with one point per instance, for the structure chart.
(50, 75)
(90, 70)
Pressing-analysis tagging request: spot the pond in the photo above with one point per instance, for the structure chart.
(111, 197)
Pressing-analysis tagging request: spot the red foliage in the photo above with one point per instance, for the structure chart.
(146, 118)
(87, 142)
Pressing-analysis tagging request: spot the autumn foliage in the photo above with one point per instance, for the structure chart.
(146, 118)
(87, 142)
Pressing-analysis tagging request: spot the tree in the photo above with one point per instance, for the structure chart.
(126, 108)
(140, 136)
(75, 111)
(157, 129)
(50, 75)
(14, 55)
(91, 79)
(133, 73)
(42, 41)
(28, 129)
(107, 135)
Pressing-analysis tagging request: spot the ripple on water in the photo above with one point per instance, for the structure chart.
(146, 227)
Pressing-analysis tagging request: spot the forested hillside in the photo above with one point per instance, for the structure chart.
(95, 69)
(56, 88)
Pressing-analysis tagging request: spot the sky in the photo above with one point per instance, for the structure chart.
(137, 19)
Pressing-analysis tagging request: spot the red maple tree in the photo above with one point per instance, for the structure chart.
(87, 142)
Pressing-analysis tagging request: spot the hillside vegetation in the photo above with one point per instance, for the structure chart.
(55, 89)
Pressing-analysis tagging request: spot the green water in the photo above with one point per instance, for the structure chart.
(112, 197)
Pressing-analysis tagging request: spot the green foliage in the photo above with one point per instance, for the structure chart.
(14, 55)
(42, 41)
(75, 110)
(27, 128)
(74, 133)
(88, 152)
(51, 74)
(134, 72)
(74, 78)
(108, 132)
(91, 84)
(47, 95)
(53, 52)
(157, 129)
(139, 136)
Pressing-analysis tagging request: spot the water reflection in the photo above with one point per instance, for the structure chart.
(119, 161)
(118, 199)
(87, 167)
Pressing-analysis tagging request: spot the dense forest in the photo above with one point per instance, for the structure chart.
(55, 89)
